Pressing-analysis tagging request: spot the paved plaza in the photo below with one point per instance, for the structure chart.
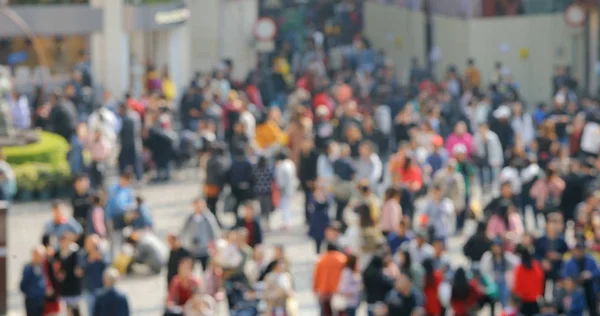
(169, 205)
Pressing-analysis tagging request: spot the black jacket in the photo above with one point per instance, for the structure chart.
(175, 257)
(308, 167)
(476, 246)
(63, 119)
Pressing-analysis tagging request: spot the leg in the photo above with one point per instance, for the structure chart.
(307, 197)
(284, 207)
(91, 301)
(318, 244)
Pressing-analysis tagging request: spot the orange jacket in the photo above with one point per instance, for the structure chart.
(326, 276)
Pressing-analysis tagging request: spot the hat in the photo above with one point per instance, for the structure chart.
(502, 112)
(497, 242)
(459, 149)
(437, 140)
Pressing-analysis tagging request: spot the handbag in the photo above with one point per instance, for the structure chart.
(339, 302)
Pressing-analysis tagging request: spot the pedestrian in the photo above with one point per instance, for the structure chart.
(583, 267)
(121, 200)
(92, 262)
(81, 202)
(110, 301)
(100, 149)
(69, 272)
(240, 179)
(326, 277)
(34, 283)
(351, 286)
(285, 178)
(278, 290)
(182, 287)
(96, 221)
(404, 299)
(263, 189)
(130, 138)
(465, 294)
(200, 232)
(318, 215)
(217, 167)
(61, 223)
(376, 284)
(252, 224)
(176, 254)
(528, 283)
(307, 171)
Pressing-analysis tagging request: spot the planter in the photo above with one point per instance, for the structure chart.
(45, 195)
(25, 195)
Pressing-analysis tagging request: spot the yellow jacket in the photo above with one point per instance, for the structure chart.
(269, 134)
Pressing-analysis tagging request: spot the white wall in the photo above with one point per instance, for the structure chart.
(548, 38)
(222, 29)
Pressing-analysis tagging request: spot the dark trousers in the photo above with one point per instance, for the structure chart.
(97, 175)
(241, 196)
(529, 308)
(203, 261)
(339, 211)
(307, 197)
(325, 304)
(461, 216)
(266, 206)
(211, 203)
(130, 159)
(34, 306)
(318, 243)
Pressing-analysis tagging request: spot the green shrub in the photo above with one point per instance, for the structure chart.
(62, 175)
(26, 176)
(51, 149)
(46, 177)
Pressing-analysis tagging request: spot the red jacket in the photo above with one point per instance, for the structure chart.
(433, 306)
(529, 283)
(464, 307)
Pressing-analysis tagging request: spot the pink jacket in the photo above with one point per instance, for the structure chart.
(496, 227)
(391, 215)
(453, 140)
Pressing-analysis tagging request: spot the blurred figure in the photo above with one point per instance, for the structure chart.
(176, 254)
(92, 264)
(33, 283)
(111, 302)
(182, 287)
(285, 178)
(252, 224)
(278, 289)
(326, 277)
(200, 232)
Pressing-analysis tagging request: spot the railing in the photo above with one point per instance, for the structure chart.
(483, 8)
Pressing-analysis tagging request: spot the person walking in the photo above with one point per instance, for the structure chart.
(33, 283)
(318, 215)
(285, 178)
(110, 301)
(200, 232)
(326, 277)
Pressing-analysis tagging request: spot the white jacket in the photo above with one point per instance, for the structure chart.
(495, 153)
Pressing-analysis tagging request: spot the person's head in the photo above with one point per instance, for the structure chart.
(569, 284)
(110, 277)
(345, 150)
(470, 62)
(404, 259)
(364, 187)
(437, 141)
(506, 190)
(248, 210)
(579, 250)
(332, 232)
(185, 268)
(483, 128)
(199, 206)
(551, 229)
(437, 192)
(460, 128)
(125, 178)
(403, 284)
(91, 243)
(278, 252)
(460, 285)
(81, 183)
(438, 245)
(259, 253)
(392, 193)
(38, 255)
(281, 156)
(307, 144)
(58, 210)
(238, 128)
(173, 241)
(497, 246)
(420, 237)
(351, 262)
(525, 255)
(280, 265)
(365, 149)
(241, 236)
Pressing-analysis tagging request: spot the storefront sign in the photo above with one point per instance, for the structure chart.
(172, 17)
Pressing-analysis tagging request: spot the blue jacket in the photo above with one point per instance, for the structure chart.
(57, 230)
(578, 304)
(92, 273)
(33, 283)
(75, 155)
(144, 220)
(111, 303)
(571, 269)
(542, 247)
(318, 219)
(241, 174)
(121, 200)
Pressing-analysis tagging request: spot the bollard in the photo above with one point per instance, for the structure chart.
(3, 254)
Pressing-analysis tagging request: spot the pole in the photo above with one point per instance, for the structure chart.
(3, 241)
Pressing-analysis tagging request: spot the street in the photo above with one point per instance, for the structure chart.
(170, 204)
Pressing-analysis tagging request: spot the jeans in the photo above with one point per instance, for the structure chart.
(487, 176)
(285, 204)
(318, 243)
(339, 211)
(351, 311)
(131, 159)
(90, 299)
(503, 292)
(34, 306)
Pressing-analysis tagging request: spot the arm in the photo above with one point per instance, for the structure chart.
(377, 170)
(98, 221)
(214, 226)
(25, 279)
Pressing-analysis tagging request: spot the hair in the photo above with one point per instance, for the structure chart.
(391, 193)
(460, 285)
(526, 257)
(351, 261)
(262, 162)
(127, 175)
(548, 130)
(364, 213)
(407, 261)
(429, 272)
(139, 199)
(282, 155)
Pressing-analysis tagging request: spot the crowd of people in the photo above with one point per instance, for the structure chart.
(389, 172)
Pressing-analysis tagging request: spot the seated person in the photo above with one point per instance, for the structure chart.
(139, 218)
(149, 250)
